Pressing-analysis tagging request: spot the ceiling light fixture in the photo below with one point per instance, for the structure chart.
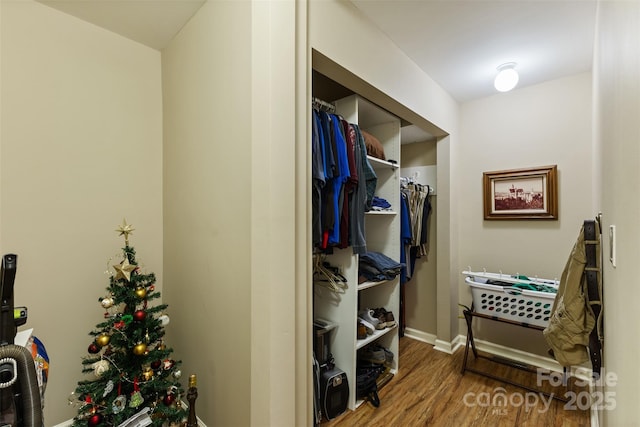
(507, 77)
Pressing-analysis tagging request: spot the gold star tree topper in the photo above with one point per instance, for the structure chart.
(124, 230)
(124, 269)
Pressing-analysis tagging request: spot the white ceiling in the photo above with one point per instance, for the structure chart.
(458, 43)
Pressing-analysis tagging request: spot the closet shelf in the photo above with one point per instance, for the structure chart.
(376, 162)
(371, 338)
(381, 213)
(366, 285)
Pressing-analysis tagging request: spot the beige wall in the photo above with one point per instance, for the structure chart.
(207, 205)
(617, 90)
(232, 236)
(539, 125)
(81, 148)
(355, 44)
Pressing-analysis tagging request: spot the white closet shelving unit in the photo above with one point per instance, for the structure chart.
(382, 235)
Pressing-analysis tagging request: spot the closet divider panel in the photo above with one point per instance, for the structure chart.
(340, 308)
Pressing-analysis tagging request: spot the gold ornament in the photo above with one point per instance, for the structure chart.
(107, 302)
(140, 349)
(147, 374)
(124, 269)
(124, 230)
(141, 292)
(103, 339)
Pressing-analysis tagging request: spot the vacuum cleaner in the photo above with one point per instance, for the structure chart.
(20, 400)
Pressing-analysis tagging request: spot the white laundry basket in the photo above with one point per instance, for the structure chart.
(511, 303)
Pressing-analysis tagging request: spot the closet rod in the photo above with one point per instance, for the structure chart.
(324, 105)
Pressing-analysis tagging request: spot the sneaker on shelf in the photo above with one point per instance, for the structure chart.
(389, 320)
(381, 315)
(381, 355)
(368, 326)
(369, 316)
(372, 354)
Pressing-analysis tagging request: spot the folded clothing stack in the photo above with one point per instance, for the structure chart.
(380, 204)
(376, 267)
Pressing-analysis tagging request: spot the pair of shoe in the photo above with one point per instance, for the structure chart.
(385, 317)
(376, 354)
(370, 317)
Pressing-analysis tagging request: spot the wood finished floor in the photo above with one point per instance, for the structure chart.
(429, 390)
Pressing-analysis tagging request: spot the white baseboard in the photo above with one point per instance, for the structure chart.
(420, 336)
(444, 346)
(440, 345)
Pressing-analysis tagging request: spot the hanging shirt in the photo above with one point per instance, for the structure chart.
(350, 185)
(359, 199)
(405, 237)
(342, 174)
(318, 178)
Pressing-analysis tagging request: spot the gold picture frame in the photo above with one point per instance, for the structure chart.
(530, 193)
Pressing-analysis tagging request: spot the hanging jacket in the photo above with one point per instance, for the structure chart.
(572, 320)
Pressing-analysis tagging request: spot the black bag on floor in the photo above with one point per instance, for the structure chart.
(366, 386)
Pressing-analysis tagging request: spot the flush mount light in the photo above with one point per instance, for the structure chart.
(507, 77)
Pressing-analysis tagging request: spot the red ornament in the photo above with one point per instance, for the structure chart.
(155, 364)
(169, 399)
(119, 325)
(95, 419)
(139, 315)
(93, 348)
(168, 364)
